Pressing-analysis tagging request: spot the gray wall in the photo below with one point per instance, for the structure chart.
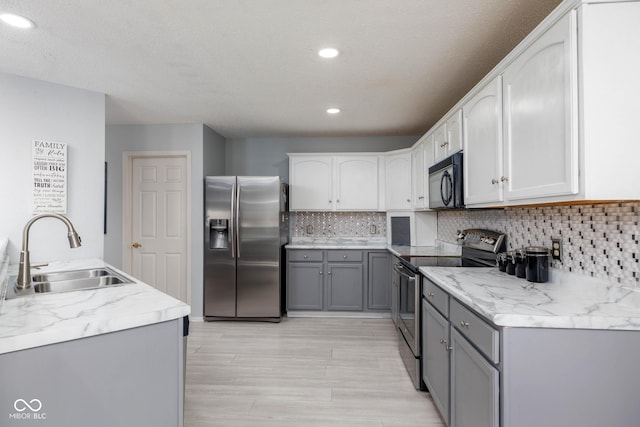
(33, 109)
(182, 137)
(214, 153)
(268, 156)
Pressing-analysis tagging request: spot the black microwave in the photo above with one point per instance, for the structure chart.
(445, 183)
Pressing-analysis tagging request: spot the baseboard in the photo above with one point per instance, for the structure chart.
(343, 314)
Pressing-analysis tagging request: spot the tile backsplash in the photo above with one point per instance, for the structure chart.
(599, 240)
(328, 225)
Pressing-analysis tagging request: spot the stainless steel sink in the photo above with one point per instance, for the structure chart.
(71, 275)
(68, 281)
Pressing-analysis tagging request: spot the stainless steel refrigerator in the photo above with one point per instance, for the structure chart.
(246, 228)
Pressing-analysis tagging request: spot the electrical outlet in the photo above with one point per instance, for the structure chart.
(556, 249)
(373, 229)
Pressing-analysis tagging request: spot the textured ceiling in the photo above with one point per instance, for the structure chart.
(250, 68)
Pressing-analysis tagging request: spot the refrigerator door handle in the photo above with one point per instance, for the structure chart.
(237, 230)
(232, 226)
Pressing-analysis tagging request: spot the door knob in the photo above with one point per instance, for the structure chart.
(136, 245)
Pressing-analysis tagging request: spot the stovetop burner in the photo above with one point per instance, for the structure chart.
(479, 249)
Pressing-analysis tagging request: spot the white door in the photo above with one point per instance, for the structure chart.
(418, 172)
(356, 183)
(540, 116)
(311, 186)
(483, 145)
(159, 223)
(398, 181)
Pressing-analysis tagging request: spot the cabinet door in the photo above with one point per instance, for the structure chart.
(454, 133)
(356, 183)
(483, 145)
(398, 181)
(418, 172)
(474, 387)
(379, 282)
(435, 357)
(440, 143)
(311, 183)
(540, 116)
(304, 286)
(344, 286)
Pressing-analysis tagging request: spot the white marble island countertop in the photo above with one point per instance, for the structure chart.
(43, 319)
(568, 300)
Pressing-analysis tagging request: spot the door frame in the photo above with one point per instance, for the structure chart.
(127, 180)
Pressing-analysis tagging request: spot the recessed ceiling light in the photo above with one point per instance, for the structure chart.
(333, 110)
(16, 20)
(328, 52)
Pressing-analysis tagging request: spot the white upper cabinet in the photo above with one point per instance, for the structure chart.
(447, 138)
(331, 182)
(398, 180)
(454, 133)
(311, 183)
(418, 168)
(356, 183)
(540, 116)
(482, 118)
(421, 159)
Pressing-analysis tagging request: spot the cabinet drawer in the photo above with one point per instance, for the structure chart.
(346, 256)
(304, 255)
(479, 332)
(436, 296)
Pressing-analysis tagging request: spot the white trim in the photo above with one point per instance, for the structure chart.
(127, 168)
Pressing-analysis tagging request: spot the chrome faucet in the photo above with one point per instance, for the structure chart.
(24, 271)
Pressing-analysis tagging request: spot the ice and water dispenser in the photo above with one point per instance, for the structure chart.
(218, 234)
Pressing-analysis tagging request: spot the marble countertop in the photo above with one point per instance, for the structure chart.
(440, 249)
(38, 320)
(568, 300)
(339, 243)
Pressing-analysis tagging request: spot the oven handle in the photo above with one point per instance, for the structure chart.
(398, 268)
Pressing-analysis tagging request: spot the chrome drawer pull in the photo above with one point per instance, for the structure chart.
(464, 324)
(430, 295)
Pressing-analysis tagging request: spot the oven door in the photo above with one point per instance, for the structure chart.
(409, 306)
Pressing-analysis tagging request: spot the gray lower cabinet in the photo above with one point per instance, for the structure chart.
(344, 286)
(306, 289)
(379, 281)
(132, 377)
(338, 280)
(458, 354)
(474, 386)
(435, 357)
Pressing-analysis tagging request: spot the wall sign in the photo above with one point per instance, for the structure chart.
(49, 177)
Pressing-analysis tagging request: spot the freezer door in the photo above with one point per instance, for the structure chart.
(258, 251)
(219, 247)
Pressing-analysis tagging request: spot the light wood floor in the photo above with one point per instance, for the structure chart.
(301, 372)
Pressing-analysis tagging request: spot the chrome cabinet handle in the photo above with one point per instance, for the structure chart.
(344, 256)
(329, 272)
(305, 256)
(320, 272)
(494, 181)
(430, 294)
(464, 324)
(504, 179)
(409, 200)
(446, 345)
(441, 340)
